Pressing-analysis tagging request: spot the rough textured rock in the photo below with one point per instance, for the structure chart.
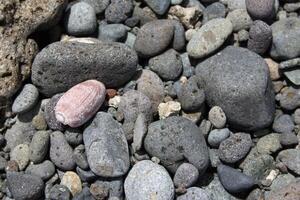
(21, 154)
(215, 10)
(45, 170)
(289, 98)
(291, 158)
(283, 124)
(49, 114)
(39, 146)
(288, 192)
(112, 32)
(72, 181)
(147, 180)
(106, 146)
(268, 144)
(118, 11)
(238, 81)
(194, 193)
(186, 175)
(261, 9)
(240, 19)
(159, 7)
(26, 100)
(183, 139)
(111, 63)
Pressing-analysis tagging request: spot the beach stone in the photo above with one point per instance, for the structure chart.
(288, 139)
(261, 9)
(74, 136)
(214, 10)
(240, 19)
(167, 65)
(236, 4)
(26, 100)
(49, 114)
(171, 108)
(152, 86)
(289, 98)
(194, 193)
(99, 6)
(179, 36)
(113, 187)
(288, 192)
(216, 136)
(240, 183)
(217, 117)
(291, 158)
(25, 186)
(144, 15)
(106, 146)
(44, 170)
(39, 122)
(269, 144)
(283, 124)
(235, 148)
(118, 11)
(131, 105)
(72, 181)
(148, 180)
(183, 139)
(86, 176)
(111, 63)
(139, 132)
(60, 192)
(281, 181)
(235, 79)
(273, 68)
(186, 175)
(284, 31)
(209, 37)
(21, 154)
(159, 7)
(154, 37)
(39, 146)
(260, 37)
(61, 152)
(79, 157)
(80, 19)
(188, 15)
(112, 32)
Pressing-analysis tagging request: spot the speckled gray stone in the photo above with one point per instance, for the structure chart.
(21, 154)
(214, 10)
(268, 144)
(79, 157)
(27, 98)
(240, 19)
(186, 175)
(217, 117)
(45, 170)
(118, 11)
(194, 193)
(159, 7)
(291, 158)
(289, 98)
(49, 114)
(261, 9)
(74, 136)
(216, 136)
(146, 179)
(283, 124)
(112, 32)
(106, 146)
(39, 146)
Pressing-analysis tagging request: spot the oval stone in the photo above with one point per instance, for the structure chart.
(61, 65)
(80, 103)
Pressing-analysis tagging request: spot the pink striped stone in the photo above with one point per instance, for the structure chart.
(80, 103)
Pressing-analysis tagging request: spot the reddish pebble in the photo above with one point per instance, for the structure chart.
(111, 93)
(80, 103)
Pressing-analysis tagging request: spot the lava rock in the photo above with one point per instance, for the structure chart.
(80, 19)
(213, 11)
(159, 7)
(142, 182)
(194, 193)
(186, 175)
(183, 140)
(167, 65)
(216, 136)
(111, 63)
(26, 100)
(217, 117)
(106, 146)
(261, 9)
(238, 81)
(39, 146)
(118, 11)
(240, 182)
(112, 32)
(283, 124)
(235, 148)
(44, 170)
(49, 114)
(240, 19)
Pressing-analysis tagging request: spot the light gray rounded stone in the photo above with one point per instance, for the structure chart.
(27, 98)
(21, 155)
(112, 32)
(98, 5)
(39, 146)
(159, 7)
(291, 158)
(240, 19)
(186, 175)
(216, 136)
(45, 170)
(217, 117)
(194, 193)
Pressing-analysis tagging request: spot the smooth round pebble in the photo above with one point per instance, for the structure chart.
(216, 136)
(26, 100)
(112, 32)
(60, 192)
(240, 19)
(288, 139)
(72, 181)
(269, 144)
(186, 175)
(45, 170)
(39, 146)
(21, 154)
(217, 117)
(283, 124)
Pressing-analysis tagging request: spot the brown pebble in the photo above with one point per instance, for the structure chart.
(12, 166)
(111, 93)
(99, 192)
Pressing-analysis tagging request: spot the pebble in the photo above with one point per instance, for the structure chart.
(209, 37)
(214, 10)
(273, 68)
(289, 192)
(269, 144)
(99, 6)
(154, 37)
(183, 139)
(80, 103)
(118, 11)
(171, 108)
(49, 114)
(289, 98)
(217, 117)
(216, 136)
(297, 116)
(110, 188)
(186, 175)
(244, 93)
(236, 4)
(61, 152)
(106, 146)
(152, 86)
(159, 7)
(288, 139)
(284, 31)
(290, 70)
(25, 186)
(283, 124)
(214, 158)
(142, 182)
(79, 157)
(95, 56)
(194, 193)
(240, 183)
(239, 19)
(72, 181)
(131, 104)
(74, 136)
(167, 65)
(39, 122)
(280, 181)
(3, 163)
(60, 192)
(260, 37)
(21, 154)
(262, 10)
(191, 95)
(39, 146)
(139, 132)
(188, 16)
(291, 158)
(86, 176)
(176, 2)
(144, 15)
(179, 36)
(44, 170)
(26, 100)
(80, 19)
(188, 69)
(235, 148)
(112, 32)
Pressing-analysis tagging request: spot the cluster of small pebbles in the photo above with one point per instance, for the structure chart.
(150, 99)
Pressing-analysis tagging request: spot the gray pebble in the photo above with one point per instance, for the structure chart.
(115, 188)
(217, 117)
(289, 98)
(167, 65)
(269, 144)
(3, 163)
(44, 170)
(144, 15)
(236, 4)
(240, 19)
(261, 9)
(118, 11)
(296, 116)
(27, 98)
(214, 10)
(74, 136)
(130, 40)
(99, 6)
(283, 124)
(49, 114)
(86, 176)
(291, 158)
(60, 192)
(288, 139)
(85, 194)
(194, 193)
(21, 154)
(159, 7)
(216, 136)
(142, 182)
(139, 132)
(214, 158)
(39, 146)
(235, 148)
(81, 19)
(179, 36)
(132, 21)
(106, 146)
(79, 157)
(112, 32)
(61, 152)
(186, 175)
(188, 69)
